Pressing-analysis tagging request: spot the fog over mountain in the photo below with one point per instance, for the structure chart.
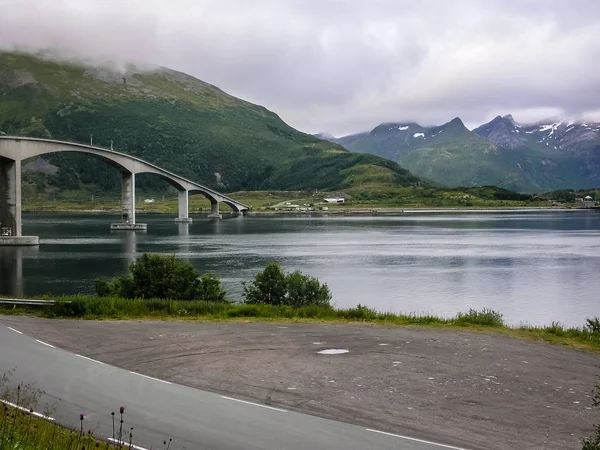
(344, 66)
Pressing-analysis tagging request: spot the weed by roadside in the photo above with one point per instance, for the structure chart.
(23, 428)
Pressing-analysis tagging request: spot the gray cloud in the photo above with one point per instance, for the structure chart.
(345, 65)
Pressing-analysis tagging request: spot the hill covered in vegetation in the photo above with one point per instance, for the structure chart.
(171, 119)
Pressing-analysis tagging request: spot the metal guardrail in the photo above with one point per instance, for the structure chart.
(25, 302)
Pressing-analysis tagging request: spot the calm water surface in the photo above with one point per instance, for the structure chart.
(534, 267)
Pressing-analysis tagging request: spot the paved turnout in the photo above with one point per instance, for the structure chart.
(159, 410)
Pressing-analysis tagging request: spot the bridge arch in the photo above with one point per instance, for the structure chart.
(233, 206)
(13, 150)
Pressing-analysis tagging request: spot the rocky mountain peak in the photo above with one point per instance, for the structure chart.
(455, 126)
(502, 131)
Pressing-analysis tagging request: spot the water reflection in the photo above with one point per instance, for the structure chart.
(129, 242)
(184, 239)
(184, 229)
(11, 269)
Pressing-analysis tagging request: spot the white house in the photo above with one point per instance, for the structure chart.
(337, 200)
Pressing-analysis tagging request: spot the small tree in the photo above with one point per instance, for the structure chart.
(268, 286)
(273, 287)
(210, 289)
(157, 276)
(304, 290)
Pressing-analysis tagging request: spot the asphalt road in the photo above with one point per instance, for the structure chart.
(159, 410)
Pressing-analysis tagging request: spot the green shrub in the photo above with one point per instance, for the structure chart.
(486, 317)
(244, 311)
(273, 287)
(268, 287)
(593, 443)
(360, 312)
(157, 276)
(304, 290)
(593, 325)
(210, 289)
(556, 329)
(103, 288)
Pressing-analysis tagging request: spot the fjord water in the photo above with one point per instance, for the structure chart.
(535, 267)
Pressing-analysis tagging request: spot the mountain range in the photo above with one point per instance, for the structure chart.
(171, 119)
(544, 156)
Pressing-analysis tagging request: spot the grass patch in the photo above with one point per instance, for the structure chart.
(111, 308)
(24, 427)
(485, 317)
(367, 196)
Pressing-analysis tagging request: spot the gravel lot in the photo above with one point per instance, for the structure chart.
(480, 391)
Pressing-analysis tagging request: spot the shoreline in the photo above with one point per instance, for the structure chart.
(382, 211)
(90, 307)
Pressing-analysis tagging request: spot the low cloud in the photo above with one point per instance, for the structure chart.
(341, 65)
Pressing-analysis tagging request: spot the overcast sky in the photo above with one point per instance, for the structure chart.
(344, 66)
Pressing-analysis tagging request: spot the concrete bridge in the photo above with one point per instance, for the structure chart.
(13, 150)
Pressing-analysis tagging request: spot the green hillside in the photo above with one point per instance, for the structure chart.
(448, 154)
(174, 120)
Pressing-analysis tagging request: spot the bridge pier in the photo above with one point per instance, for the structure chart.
(128, 205)
(214, 210)
(183, 207)
(11, 232)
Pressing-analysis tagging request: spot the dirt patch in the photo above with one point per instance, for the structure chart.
(480, 391)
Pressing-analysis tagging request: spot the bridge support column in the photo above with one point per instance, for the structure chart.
(128, 205)
(214, 210)
(10, 205)
(183, 207)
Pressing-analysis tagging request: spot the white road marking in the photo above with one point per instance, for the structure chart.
(416, 440)
(253, 404)
(89, 359)
(126, 444)
(150, 378)
(334, 351)
(16, 331)
(44, 343)
(36, 414)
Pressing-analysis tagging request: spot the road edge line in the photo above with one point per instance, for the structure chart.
(126, 444)
(89, 359)
(149, 377)
(44, 343)
(422, 441)
(254, 404)
(21, 408)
